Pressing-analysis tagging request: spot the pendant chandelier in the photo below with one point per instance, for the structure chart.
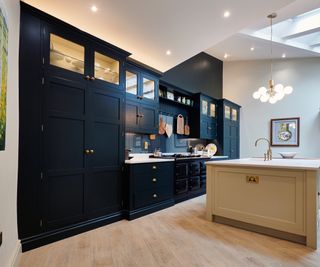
(274, 92)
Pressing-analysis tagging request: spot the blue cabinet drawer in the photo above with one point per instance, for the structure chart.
(157, 168)
(144, 198)
(148, 181)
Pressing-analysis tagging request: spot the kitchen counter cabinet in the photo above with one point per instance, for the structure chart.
(278, 197)
(148, 188)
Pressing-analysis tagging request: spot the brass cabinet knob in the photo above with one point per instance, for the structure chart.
(141, 115)
(87, 77)
(155, 195)
(92, 78)
(87, 151)
(154, 167)
(154, 180)
(91, 151)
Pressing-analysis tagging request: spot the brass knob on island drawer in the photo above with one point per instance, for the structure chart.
(91, 151)
(87, 77)
(155, 196)
(92, 78)
(87, 151)
(252, 179)
(154, 167)
(154, 180)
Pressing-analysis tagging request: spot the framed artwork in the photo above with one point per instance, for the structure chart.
(285, 132)
(3, 76)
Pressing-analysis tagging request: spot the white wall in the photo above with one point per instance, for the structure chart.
(9, 157)
(242, 78)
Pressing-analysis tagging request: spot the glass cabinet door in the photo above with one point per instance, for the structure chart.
(66, 54)
(204, 107)
(148, 88)
(212, 110)
(131, 83)
(234, 115)
(106, 68)
(227, 112)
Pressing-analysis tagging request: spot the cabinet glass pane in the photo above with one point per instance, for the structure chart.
(212, 110)
(131, 83)
(227, 111)
(204, 107)
(234, 115)
(106, 68)
(66, 54)
(148, 88)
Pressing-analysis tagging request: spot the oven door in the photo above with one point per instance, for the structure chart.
(181, 186)
(181, 170)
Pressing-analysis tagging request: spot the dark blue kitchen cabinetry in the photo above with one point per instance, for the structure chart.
(71, 139)
(142, 98)
(148, 188)
(204, 117)
(229, 128)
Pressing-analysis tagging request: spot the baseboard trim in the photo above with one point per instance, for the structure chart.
(17, 255)
(134, 214)
(55, 235)
(260, 229)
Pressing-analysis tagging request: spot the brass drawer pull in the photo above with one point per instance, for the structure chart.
(154, 180)
(155, 195)
(252, 179)
(154, 167)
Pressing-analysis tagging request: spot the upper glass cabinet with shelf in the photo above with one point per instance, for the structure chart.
(106, 68)
(66, 54)
(234, 115)
(131, 83)
(212, 110)
(204, 107)
(227, 112)
(148, 88)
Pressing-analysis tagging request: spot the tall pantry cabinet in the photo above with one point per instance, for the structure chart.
(71, 145)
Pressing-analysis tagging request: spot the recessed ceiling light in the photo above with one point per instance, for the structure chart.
(226, 14)
(94, 8)
(226, 55)
(168, 52)
(252, 48)
(284, 55)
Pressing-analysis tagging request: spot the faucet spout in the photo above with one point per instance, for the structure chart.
(268, 155)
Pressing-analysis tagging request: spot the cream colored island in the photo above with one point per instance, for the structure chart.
(277, 197)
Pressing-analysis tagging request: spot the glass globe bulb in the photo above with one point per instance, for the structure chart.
(256, 95)
(262, 90)
(272, 100)
(279, 95)
(264, 98)
(278, 88)
(288, 90)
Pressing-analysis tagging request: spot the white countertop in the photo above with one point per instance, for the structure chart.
(302, 164)
(146, 160)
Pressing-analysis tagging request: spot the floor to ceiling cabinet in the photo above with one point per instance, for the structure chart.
(72, 103)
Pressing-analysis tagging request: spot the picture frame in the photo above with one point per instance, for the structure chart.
(285, 132)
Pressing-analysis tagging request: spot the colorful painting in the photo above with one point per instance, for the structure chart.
(285, 132)
(3, 77)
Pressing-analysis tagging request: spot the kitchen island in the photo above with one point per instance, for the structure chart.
(277, 197)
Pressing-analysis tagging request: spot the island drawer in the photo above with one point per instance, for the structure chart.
(147, 197)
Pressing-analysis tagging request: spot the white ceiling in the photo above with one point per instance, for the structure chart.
(294, 35)
(148, 28)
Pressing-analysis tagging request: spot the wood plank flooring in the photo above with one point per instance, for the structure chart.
(174, 237)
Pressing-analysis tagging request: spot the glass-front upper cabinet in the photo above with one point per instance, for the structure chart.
(66, 54)
(106, 68)
(212, 111)
(204, 107)
(131, 83)
(148, 88)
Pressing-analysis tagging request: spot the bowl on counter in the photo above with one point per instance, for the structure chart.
(288, 155)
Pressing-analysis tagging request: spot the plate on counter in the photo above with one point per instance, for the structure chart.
(212, 149)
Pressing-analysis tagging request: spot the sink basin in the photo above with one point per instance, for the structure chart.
(288, 155)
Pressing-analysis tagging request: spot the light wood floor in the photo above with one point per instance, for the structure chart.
(178, 236)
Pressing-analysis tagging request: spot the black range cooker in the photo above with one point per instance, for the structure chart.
(190, 175)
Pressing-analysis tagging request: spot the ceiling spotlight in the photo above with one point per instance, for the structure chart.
(226, 14)
(168, 52)
(252, 48)
(284, 55)
(226, 55)
(94, 8)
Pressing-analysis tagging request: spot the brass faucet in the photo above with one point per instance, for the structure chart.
(268, 155)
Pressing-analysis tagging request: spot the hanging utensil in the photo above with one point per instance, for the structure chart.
(180, 124)
(162, 124)
(187, 127)
(169, 126)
